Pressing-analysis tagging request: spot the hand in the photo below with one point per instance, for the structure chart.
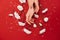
(31, 11)
(29, 15)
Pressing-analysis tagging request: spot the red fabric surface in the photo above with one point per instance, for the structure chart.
(9, 29)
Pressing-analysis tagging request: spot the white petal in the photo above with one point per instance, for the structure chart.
(34, 25)
(22, 1)
(16, 15)
(42, 31)
(27, 31)
(46, 19)
(19, 7)
(40, 24)
(21, 24)
(45, 10)
(36, 16)
(10, 14)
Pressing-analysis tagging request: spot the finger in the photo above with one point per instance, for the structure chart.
(36, 3)
(30, 17)
(27, 18)
(28, 21)
(32, 21)
(37, 6)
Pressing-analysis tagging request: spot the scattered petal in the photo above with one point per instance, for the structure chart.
(36, 16)
(34, 25)
(45, 10)
(19, 7)
(27, 31)
(21, 24)
(46, 19)
(42, 31)
(41, 24)
(22, 1)
(16, 15)
(11, 15)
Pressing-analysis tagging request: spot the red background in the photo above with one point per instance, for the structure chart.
(9, 29)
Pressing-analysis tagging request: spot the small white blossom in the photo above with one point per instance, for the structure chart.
(46, 19)
(40, 24)
(34, 25)
(27, 31)
(36, 16)
(22, 1)
(16, 15)
(42, 31)
(11, 15)
(21, 24)
(19, 7)
(45, 10)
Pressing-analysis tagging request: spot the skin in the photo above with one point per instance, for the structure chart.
(31, 10)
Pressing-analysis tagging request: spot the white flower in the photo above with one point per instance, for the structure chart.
(36, 16)
(16, 15)
(46, 19)
(19, 7)
(11, 15)
(34, 25)
(27, 31)
(21, 24)
(40, 24)
(45, 10)
(22, 1)
(42, 31)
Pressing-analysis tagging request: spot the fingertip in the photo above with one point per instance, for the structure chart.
(28, 22)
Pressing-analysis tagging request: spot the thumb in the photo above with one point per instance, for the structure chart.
(36, 6)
